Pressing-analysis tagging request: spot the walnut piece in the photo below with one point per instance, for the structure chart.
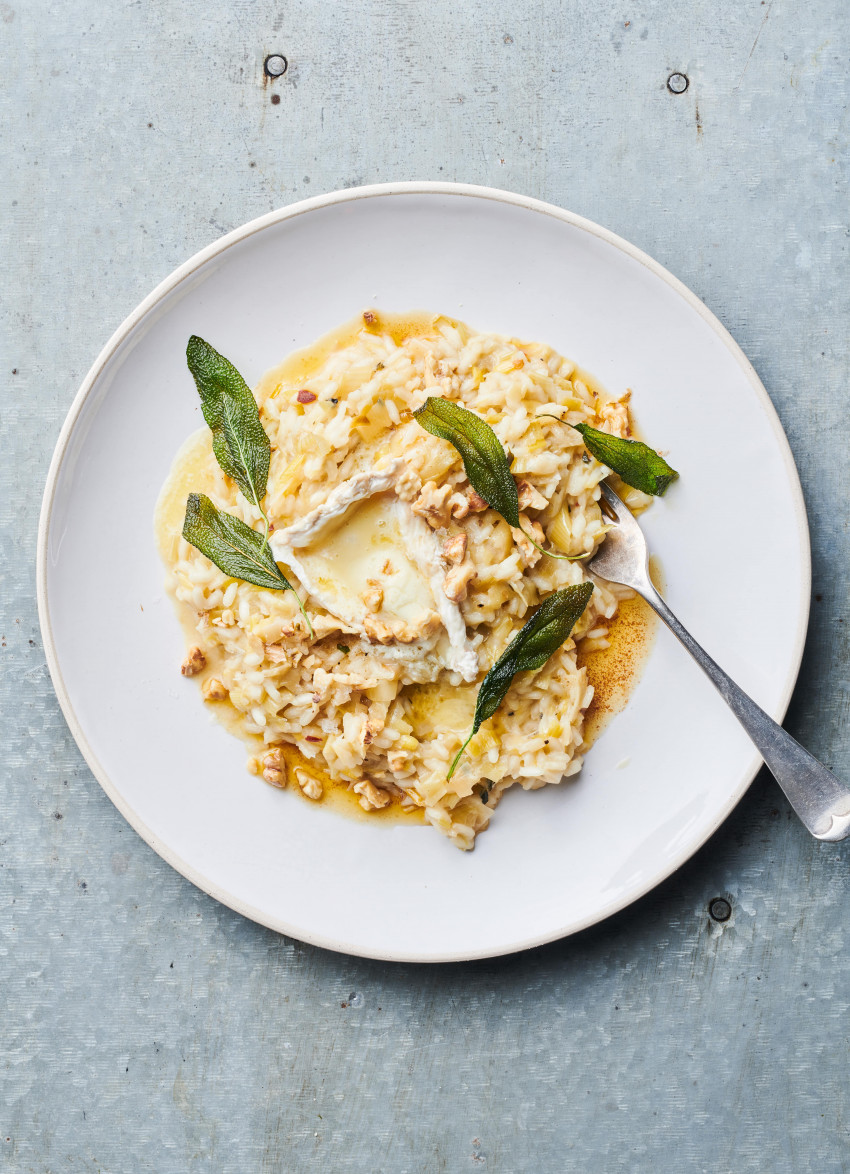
(408, 484)
(308, 783)
(398, 760)
(529, 551)
(194, 662)
(529, 498)
(476, 502)
(457, 581)
(616, 416)
(377, 632)
(438, 504)
(454, 549)
(425, 624)
(371, 797)
(373, 596)
(432, 504)
(369, 730)
(274, 768)
(406, 632)
(214, 690)
(323, 625)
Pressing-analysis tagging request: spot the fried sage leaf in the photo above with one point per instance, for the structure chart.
(532, 646)
(639, 465)
(484, 459)
(235, 548)
(239, 439)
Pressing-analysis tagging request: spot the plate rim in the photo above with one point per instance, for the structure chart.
(171, 282)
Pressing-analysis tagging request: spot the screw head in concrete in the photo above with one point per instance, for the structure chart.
(275, 65)
(720, 909)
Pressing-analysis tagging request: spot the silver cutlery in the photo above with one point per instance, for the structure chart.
(820, 800)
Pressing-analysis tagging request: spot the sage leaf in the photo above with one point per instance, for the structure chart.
(234, 547)
(532, 646)
(635, 462)
(239, 439)
(485, 461)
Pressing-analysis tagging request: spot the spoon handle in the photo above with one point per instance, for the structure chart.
(820, 800)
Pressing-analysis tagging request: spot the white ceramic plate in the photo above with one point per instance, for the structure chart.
(731, 534)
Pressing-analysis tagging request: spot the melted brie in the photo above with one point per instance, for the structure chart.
(367, 559)
(366, 544)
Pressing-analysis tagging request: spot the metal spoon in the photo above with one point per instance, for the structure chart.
(820, 800)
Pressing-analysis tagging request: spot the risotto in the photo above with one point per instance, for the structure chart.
(412, 584)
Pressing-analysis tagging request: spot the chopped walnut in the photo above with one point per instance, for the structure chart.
(432, 504)
(457, 581)
(398, 760)
(193, 663)
(476, 502)
(530, 552)
(370, 317)
(458, 506)
(615, 415)
(454, 549)
(377, 632)
(323, 625)
(214, 690)
(308, 783)
(529, 498)
(371, 798)
(405, 631)
(276, 653)
(425, 624)
(368, 732)
(274, 768)
(373, 596)
(407, 484)
(437, 504)
(376, 720)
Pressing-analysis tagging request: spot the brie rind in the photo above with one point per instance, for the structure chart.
(364, 538)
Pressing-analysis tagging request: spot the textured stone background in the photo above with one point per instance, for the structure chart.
(143, 1026)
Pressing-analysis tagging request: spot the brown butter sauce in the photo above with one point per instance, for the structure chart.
(615, 671)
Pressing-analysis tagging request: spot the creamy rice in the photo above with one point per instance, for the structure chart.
(386, 719)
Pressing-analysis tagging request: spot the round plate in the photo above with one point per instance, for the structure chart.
(731, 535)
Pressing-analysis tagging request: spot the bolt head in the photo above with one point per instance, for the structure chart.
(275, 65)
(719, 909)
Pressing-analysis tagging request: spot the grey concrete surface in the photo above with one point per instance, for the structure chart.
(143, 1026)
